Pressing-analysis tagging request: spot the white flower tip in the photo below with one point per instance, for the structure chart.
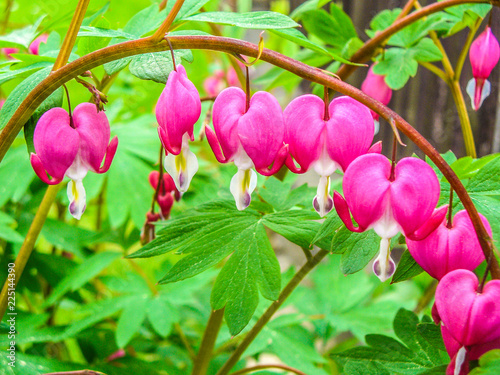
(459, 360)
(323, 202)
(182, 168)
(77, 198)
(384, 267)
(242, 185)
(478, 93)
(376, 123)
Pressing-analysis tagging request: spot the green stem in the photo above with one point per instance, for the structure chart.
(131, 48)
(208, 342)
(463, 115)
(185, 341)
(263, 367)
(434, 69)
(29, 243)
(264, 319)
(465, 49)
(71, 34)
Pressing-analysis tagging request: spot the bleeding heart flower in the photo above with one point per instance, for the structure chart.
(71, 146)
(389, 200)
(374, 85)
(215, 84)
(484, 55)
(8, 51)
(35, 45)
(249, 137)
(166, 193)
(470, 318)
(327, 142)
(177, 110)
(449, 248)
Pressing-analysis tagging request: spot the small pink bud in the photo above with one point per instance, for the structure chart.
(215, 84)
(402, 202)
(249, 137)
(165, 198)
(62, 150)
(374, 85)
(177, 110)
(447, 249)
(326, 143)
(35, 45)
(470, 319)
(484, 55)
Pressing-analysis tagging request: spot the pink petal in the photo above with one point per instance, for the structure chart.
(228, 108)
(35, 45)
(93, 129)
(110, 154)
(304, 119)
(178, 108)
(414, 193)
(56, 142)
(484, 54)
(278, 162)
(374, 85)
(366, 188)
(350, 130)
(261, 129)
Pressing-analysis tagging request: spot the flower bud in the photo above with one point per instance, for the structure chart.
(374, 85)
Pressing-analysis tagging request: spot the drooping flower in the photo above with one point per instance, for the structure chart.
(484, 54)
(449, 248)
(328, 141)
(250, 137)
(8, 51)
(177, 110)
(71, 146)
(470, 318)
(389, 200)
(214, 84)
(374, 85)
(35, 45)
(166, 193)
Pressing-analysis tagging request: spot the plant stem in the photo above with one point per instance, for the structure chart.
(145, 277)
(131, 48)
(162, 30)
(458, 97)
(262, 367)
(208, 342)
(366, 52)
(69, 40)
(264, 319)
(29, 243)
(185, 341)
(434, 69)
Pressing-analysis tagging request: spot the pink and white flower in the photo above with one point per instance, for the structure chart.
(71, 146)
(374, 85)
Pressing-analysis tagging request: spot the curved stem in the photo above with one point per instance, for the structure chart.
(29, 243)
(208, 342)
(289, 288)
(366, 52)
(229, 45)
(463, 115)
(263, 367)
(434, 69)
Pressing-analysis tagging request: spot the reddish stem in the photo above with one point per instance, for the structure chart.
(326, 100)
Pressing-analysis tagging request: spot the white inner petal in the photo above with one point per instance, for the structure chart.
(459, 360)
(182, 167)
(376, 123)
(471, 90)
(386, 226)
(77, 198)
(78, 170)
(323, 202)
(325, 166)
(242, 160)
(242, 185)
(383, 266)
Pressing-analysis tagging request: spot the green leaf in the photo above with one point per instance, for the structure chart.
(331, 30)
(162, 315)
(462, 16)
(99, 32)
(6, 232)
(54, 100)
(158, 65)
(306, 6)
(250, 20)
(131, 319)
(328, 228)
(21, 37)
(280, 194)
(407, 268)
(426, 51)
(15, 167)
(82, 274)
(487, 179)
(17, 95)
(489, 364)
(398, 65)
(432, 333)
(391, 355)
(296, 226)
(357, 248)
(252, 267)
